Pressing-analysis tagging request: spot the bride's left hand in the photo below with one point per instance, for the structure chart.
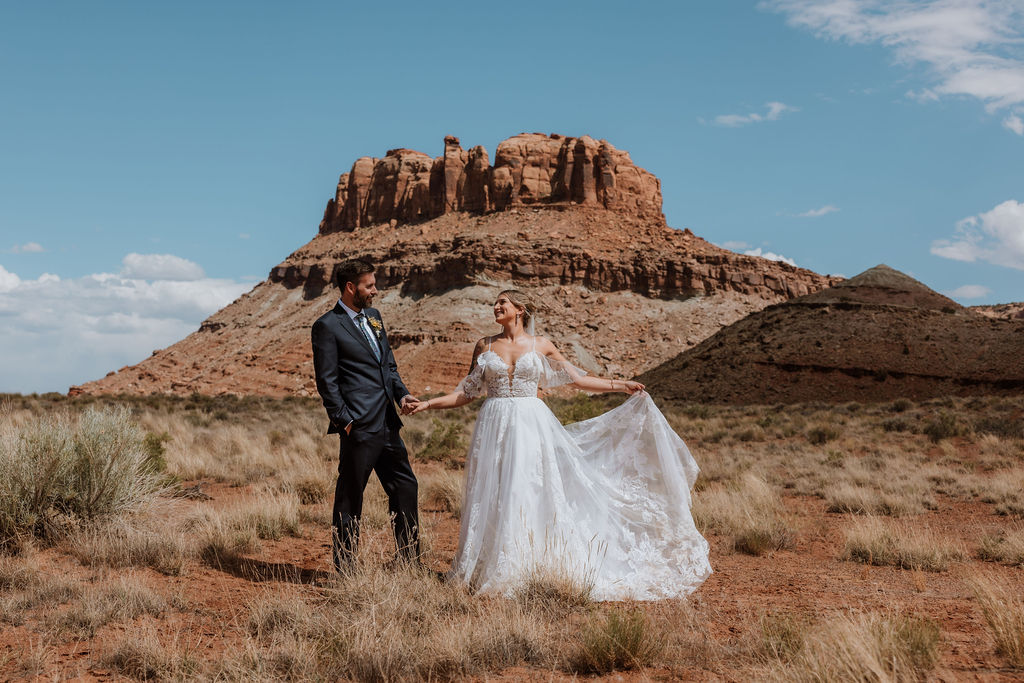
(633, 387)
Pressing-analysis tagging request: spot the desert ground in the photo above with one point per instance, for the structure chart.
(188, 538)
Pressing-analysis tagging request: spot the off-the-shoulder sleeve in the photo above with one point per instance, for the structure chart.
(472, 385)
(555, 373)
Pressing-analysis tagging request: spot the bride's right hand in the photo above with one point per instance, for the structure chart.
(420, 407)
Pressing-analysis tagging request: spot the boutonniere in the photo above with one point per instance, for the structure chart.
(378, 328)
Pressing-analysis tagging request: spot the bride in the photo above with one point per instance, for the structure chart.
(605, 501)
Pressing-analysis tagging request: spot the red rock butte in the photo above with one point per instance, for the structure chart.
(571, 220)
(407, 186)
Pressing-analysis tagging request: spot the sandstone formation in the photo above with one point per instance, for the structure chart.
(1014, 311)
(408, 186)
(877, 336)
(571, 220)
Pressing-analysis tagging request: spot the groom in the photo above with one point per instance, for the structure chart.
(358, 381)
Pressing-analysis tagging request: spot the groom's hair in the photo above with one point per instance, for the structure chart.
(351, 271)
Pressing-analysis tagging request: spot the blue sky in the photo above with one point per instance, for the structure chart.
(157, 160)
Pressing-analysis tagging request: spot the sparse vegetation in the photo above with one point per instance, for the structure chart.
(252, 481)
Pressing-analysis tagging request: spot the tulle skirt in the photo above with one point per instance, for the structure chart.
(605, 501)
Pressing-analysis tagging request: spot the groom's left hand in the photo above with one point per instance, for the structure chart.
(408, 404)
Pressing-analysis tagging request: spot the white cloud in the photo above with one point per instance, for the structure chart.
(817, 213)
(995, 236)
(57, 332)
(160, 267)
(969, 292)
(1014, 123)
(971, 48)
(27, 248)
(8, 280)
(771, 256)
(925, 95)
(775, 110)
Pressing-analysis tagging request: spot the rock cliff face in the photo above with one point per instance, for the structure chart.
(408, 186)
(571, 220)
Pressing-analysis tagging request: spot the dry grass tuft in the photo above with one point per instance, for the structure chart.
(125, 600)
(1006, 546)
(364, 626)
(782, 635)
(1003, 609)
(866, 647)
(887, 543)
(145, 655)
(870, 500)
(554, 590)
(621, 639)
(749, 511)
(445, 490)
(124, 544)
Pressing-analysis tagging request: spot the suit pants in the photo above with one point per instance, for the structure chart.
(384, 453)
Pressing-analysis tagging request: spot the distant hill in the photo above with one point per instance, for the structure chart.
(571, 220)
(877, 336)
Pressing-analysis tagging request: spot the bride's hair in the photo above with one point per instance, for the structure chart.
(523, 301)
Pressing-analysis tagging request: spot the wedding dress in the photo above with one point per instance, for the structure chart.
(606, 500)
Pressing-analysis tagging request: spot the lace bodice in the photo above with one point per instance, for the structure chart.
(492, 377)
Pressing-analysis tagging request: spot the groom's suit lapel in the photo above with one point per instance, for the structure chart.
(349, 326)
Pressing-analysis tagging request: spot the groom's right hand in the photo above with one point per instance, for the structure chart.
(408, 404)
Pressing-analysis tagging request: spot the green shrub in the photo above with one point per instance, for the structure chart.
(581, 406)
(156, 460)
(943, 426)
(446, 442)
(820, 434)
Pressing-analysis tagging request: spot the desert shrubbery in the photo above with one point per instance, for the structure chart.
(765, 472)
(60, 471)
(446, 442)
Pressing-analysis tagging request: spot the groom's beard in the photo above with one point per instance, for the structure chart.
(362, 301)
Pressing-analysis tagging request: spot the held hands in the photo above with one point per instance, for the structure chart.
(420, 407)
(409, 404)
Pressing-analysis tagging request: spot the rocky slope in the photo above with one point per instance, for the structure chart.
(1014, 311)
(877, 336)
(571, 220)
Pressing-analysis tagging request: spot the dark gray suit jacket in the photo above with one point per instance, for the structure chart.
(353, 385)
